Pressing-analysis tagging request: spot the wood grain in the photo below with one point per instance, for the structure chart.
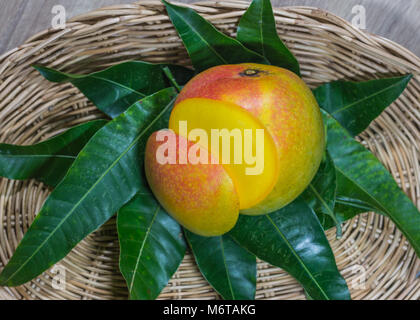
(397, 20)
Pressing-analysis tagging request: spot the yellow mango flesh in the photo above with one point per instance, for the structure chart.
(253, 174)
(201, 197)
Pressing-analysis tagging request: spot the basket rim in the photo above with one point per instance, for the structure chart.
(388, 46)
(404, 53)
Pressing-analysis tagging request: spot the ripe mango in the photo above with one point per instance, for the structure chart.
(284, 104)
(206, 198)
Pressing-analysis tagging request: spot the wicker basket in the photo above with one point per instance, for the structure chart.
(373, 256)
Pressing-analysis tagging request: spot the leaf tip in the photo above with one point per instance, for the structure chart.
(166, 3)
(409, 77)
(39, 68)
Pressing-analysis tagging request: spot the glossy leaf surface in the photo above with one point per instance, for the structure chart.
(47, 161)
(151, 246)
(356, 104)
(107, 173)
(362, 179)
(206, 46)
(115, 89)
(321, 193)
(293, 239)
(257, 31)
(229, 268)
(345, 209)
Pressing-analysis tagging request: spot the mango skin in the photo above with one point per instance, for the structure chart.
(201, 197)
(288, 110)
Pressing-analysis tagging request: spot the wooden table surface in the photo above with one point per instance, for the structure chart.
(398, 20)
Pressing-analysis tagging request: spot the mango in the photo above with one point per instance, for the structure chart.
(250, 158)
(285, 106)
(264, 110)
(200, 196)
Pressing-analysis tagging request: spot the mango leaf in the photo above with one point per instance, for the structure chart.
(292, 238)
(115, 89)
(356, 104)
(257, 31)
(321, 193)
(206, 46)
(347, 208)
(180, 74)
(230, 269)
(107, 173)
(47, 161)
(362, 179)
(152, 246)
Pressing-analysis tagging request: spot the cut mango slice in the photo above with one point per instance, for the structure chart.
(202, 197)
(236, 139)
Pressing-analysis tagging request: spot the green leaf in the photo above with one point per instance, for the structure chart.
(180, 75)
(257, 31)
(356, 104)
(308, 297)
(115, 89)
(172, 79)
(293, 239)
(206, 46)
(49, 160)
(230, 269)
(107, 173)
(347, 208)
(362, 179)
(152, 246)
(321, 193)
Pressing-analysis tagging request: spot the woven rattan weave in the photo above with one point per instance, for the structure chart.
(372, 255)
